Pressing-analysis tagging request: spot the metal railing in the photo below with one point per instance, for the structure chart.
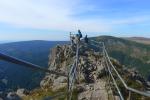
(28, 64)
(73, 74)
(114, 81)
(108, 65)
(122, 80)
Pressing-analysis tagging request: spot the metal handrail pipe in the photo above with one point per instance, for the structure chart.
(28, 64)
(123, 82)
(114, 81)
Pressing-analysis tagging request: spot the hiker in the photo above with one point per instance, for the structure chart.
(86, 39)
(80, 34)
(78, 37)
(75, 38)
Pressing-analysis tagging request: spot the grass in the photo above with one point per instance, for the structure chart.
(40, 94)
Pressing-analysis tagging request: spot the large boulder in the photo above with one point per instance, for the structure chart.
(13, 96)
(22, 92)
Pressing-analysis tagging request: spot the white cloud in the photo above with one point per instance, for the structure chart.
(47, 14)
(56, 15)
(132, 20)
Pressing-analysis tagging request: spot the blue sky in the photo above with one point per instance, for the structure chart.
(54, 19)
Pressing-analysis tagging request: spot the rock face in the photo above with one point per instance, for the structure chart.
(13, 96)
(94, 91)
(22, 92)
(59, 60)
(62, 58)
(91, 72)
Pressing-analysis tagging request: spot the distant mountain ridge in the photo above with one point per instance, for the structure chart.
(139, 39)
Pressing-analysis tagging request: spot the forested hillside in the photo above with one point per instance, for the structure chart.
(14, 76)
(129, 53)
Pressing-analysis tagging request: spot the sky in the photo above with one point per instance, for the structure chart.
(54, 19)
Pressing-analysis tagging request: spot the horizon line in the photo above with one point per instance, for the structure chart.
(9, 41)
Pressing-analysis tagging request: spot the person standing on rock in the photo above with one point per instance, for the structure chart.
(80, 34)
(86, 39)
(75, 38)
(78, 37)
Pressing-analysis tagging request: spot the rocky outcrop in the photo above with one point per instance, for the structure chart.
(13, 96)
(60, 59)
(92, 74)
(89, 64)
(22, 92)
